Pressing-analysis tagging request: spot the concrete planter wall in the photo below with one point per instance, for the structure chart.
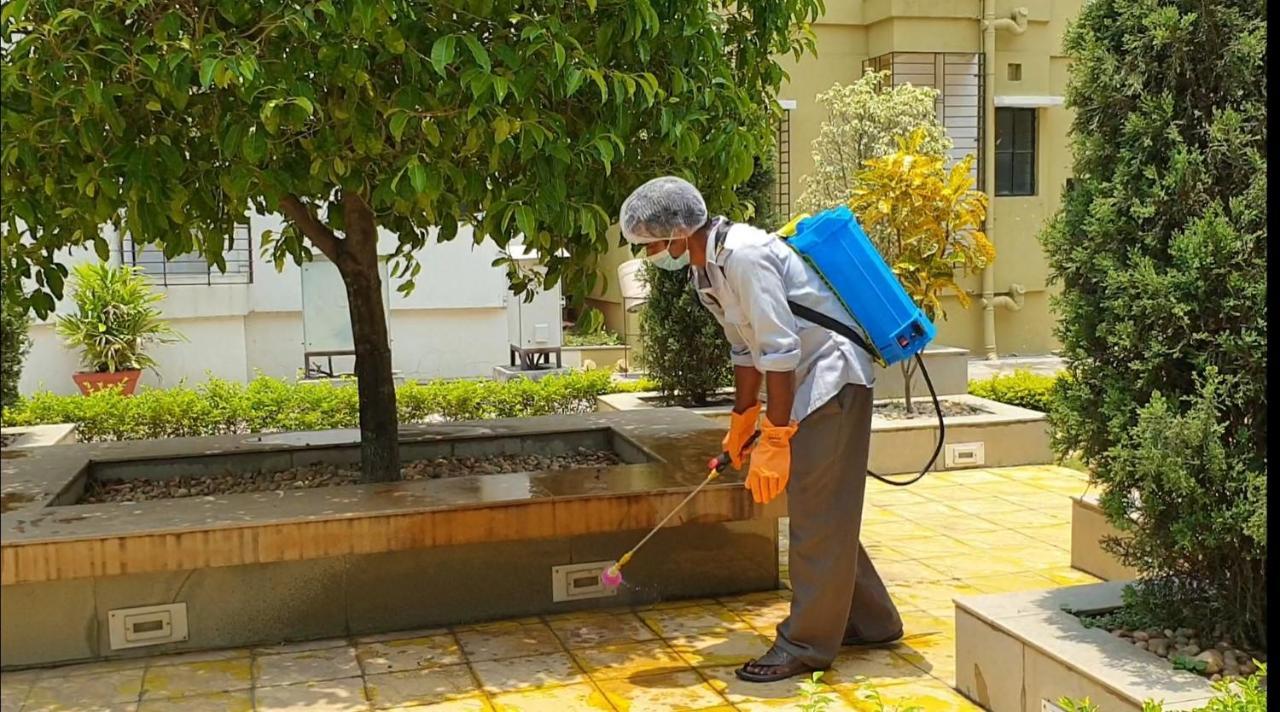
(948, 369)
(1022, 652)
(268, 567)
(1009, 435)
(1089, 526)
(30, 436)
(603, 356)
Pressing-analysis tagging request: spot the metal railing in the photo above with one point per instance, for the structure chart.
(192, 268)
(782, 167)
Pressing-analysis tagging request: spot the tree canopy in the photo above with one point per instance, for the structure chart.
(172, 120)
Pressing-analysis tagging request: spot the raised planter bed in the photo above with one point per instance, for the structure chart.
(316, 562)
(603, 356)
(29, 436)
(1008, 435)
(1016, 652)
(1089, 526)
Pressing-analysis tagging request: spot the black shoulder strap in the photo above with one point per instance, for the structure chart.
(827, 322)
(812, 315)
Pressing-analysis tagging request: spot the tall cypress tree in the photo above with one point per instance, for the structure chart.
(1160, 249)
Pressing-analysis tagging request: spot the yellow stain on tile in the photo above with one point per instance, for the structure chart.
(420, 687)
(659, 693)
(509, 641)
(478, 703)
(1010, 583)
(908, 571)
(669, 623)
(533, 672)
(594, 631)
(1067, 576)
(409, 654)
(556, 699)
(926, 695)
(716, 648)
(53, 692)
(188, 679)
(879, 666)
(625, 660)
(305, 666)
(766, 619)
(346, 695)
(744, 694)
(238, 701)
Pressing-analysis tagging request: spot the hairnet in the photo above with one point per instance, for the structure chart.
(661, 207)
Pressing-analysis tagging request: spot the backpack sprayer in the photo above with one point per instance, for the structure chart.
(889, 325)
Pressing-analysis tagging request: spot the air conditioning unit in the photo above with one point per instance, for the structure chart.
(534, 328)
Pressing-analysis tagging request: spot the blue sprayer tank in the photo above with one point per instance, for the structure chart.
(835, 245)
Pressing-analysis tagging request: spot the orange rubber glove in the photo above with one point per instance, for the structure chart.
(741, 427)
(770, 461)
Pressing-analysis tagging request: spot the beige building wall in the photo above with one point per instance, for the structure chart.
(853, 31)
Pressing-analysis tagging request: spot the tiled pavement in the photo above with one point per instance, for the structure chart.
(977, 531)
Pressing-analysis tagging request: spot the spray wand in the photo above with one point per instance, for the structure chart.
(612, 576)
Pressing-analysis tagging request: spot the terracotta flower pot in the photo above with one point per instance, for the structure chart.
(90, 382)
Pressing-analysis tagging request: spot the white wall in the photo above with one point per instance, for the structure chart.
(452, 325)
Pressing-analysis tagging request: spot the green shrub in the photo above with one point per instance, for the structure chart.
(1160, 250)
(116, 318)
(1247, 695)
(14, 344)
(219, 407)
(1021, 388)
(684, 349)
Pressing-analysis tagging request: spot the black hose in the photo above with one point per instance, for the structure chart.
(942, 431)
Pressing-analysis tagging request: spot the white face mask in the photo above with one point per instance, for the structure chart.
(664, 260)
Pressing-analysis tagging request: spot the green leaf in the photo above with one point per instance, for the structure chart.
(254, 147)
(306, 105)
(13, 11)
(418, 176)
(526, 221)
(574, 75)
(431, 131)
(478, 52)
(442, 52)
(395, 41)
(600, 82)
(398, 122)
(207, 68)
(559, 53)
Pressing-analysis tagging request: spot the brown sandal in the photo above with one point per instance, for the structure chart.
(777, 664)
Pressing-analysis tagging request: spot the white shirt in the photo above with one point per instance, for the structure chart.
(746, 285)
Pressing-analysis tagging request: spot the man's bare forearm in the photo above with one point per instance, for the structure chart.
(780, 393)
(746, 387)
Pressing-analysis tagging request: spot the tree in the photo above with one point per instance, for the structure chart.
(928, 221)
(170, 121)
(14, 344)
(865, 119)
(1160, 248)
(685, 349)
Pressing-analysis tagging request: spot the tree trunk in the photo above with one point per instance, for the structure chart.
(356, 257)
(907, 373)
(379, 425)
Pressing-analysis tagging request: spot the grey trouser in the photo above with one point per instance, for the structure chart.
(836, 592)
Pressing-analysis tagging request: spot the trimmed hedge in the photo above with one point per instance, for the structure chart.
(1021, 388)
(219, 407)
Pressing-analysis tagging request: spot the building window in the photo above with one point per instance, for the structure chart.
(958, 78)
(1015, 72)
(192, 268)
(1015, 151)
(782, 167)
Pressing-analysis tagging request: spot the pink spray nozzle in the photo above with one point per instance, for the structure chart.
(611, 577)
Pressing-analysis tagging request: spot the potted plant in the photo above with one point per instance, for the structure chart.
(115, 321)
